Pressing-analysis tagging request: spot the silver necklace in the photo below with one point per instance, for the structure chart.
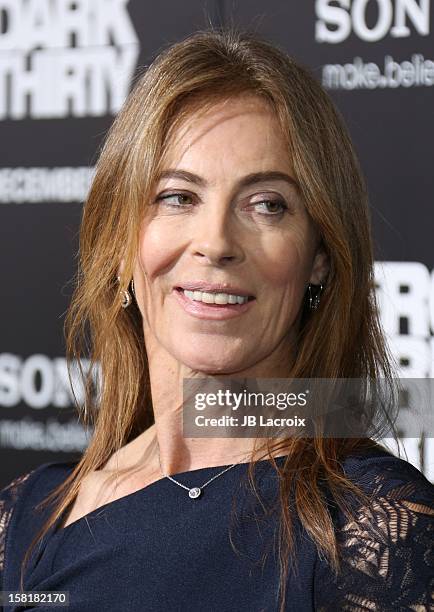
(194, 492)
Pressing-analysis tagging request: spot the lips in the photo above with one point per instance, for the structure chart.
(216, 312)
(214, 288)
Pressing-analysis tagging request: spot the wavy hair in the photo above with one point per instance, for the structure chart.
(341, 339)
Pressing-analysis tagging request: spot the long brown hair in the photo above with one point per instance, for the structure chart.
(341, 339)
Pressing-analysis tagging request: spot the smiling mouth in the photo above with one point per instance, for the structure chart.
(215, 298)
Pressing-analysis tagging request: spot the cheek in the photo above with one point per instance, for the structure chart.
(283, 261)
(157, 249)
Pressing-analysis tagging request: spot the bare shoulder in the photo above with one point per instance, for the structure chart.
(92, 493)
(125, 472)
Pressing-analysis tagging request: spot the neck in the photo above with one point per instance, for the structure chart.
(178, 453)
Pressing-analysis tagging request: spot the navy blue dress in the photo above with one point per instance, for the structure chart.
(157, 550)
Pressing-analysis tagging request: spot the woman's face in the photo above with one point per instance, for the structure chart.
(227, 219)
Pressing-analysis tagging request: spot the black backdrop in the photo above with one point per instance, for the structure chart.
(64, 72)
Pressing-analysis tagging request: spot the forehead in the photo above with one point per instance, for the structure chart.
(242, 130)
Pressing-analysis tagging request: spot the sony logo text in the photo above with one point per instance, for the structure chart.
(396, 18)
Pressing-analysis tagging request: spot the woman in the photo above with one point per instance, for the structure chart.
(228, 171)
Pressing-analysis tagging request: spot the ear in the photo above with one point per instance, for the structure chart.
(320, 267)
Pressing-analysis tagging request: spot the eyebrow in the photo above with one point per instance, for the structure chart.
(245, 181)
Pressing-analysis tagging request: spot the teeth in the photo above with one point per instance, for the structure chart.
(215, 298)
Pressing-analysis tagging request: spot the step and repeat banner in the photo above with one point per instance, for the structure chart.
(65, 69)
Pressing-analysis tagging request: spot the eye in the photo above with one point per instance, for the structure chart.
(177, 200)
(271, 207)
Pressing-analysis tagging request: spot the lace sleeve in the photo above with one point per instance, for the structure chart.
(387, 554)
(8, 497)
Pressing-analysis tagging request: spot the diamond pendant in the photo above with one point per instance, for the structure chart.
(194, 492)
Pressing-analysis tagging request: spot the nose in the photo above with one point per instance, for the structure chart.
(217, 240)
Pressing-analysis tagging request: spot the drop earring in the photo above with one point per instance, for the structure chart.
(126, 297)
(314, 300)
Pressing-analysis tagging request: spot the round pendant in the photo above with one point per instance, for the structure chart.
(194, 492)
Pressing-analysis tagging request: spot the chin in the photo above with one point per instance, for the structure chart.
(214, 364)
